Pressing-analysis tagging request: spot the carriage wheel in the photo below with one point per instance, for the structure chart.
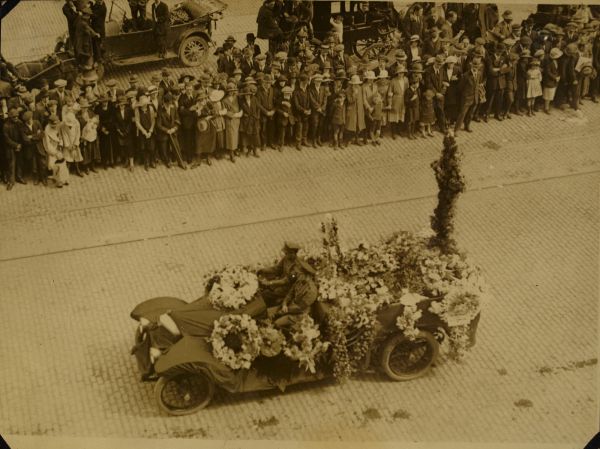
(184, 393)
(404, 359)
(365, 47)
(193, 51)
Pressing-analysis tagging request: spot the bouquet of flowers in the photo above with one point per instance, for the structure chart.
(232, 288)
(305, 344)
(236, 341)
(272, 341)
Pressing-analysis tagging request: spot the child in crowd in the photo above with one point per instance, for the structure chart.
(427, 113)
(534, 85)
(338, 120)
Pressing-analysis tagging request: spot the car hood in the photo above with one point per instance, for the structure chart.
(201, 8)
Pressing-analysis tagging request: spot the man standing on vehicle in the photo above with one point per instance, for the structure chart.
(268, 27)
(138, 13)
(160, 16)
(70, 11)
(84, 48)
(98, 21)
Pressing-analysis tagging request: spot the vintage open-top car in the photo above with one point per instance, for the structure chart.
(189, 374)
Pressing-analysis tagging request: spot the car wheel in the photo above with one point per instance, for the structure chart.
(405, 359)
(193, 51)
(184, 393)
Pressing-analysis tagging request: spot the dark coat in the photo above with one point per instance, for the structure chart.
(226, 65)
(413, 109)
(70, 13)
(495, 78)
(187, 117)
(160, 15)
(33, 137)
(266, 100)
(250, 121)
(99, 18)
(550, 73)
(300, 102)
(123, 125)
(12, 134)
(84, 37)
(268, 28)
(317, 99)
(432, 48)
(469, 88)
(165, 121)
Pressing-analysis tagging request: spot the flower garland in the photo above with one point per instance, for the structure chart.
(232, 287)
(332, 252)
(305, 346)
(407, 322)
(236, 341)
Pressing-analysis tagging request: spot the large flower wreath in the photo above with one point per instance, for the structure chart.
(232, 287)
(236, 341)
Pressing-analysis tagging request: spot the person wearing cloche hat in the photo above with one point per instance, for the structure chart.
(232, 120)
(355, 109)
(217, 111)
(550, 77)
(90, 147)
(414, 49)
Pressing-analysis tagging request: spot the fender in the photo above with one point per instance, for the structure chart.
(204, 32)
(152, 308)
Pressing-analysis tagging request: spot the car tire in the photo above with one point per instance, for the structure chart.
(398, 351)
(184, 393)
(193, 51)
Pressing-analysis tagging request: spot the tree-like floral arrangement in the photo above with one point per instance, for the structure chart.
(450, 185)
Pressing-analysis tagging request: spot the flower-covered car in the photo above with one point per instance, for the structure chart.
(384, 307)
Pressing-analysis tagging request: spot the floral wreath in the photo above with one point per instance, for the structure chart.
(232, 287)
(236, 341)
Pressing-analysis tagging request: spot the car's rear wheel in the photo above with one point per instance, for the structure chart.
(184, 393)
(193, 51)
(405, 359)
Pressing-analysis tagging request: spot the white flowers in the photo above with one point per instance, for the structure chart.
(407, 322)
(234, 288)
(305, 345)
(240, 331)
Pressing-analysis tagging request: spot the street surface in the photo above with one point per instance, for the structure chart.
(74, 262)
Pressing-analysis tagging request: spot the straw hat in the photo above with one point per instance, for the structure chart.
(370, 75)
(555, 53)
(216, 95)
(355, 79)
(231, 87)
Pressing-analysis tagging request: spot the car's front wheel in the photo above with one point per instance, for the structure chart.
(405, 359)
(193, 51)
(184, 393)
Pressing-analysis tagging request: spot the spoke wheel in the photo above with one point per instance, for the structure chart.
(403, 359)
(184, 394)
(365, 47)
(193, 51)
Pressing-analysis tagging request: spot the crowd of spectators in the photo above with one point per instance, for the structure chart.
(441, 73)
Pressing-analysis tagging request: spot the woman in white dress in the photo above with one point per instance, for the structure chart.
(71, 135)
(53, 144)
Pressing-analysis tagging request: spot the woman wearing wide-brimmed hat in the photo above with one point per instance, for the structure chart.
(550, 77)
(71, 137)
(232, 120)
(355, 108)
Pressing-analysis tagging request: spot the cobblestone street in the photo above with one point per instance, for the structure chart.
(75, 261)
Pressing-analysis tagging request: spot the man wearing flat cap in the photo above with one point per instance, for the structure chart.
(302, 110)
(277, 280)
(299, 299)
(265, 97)
(503, 29)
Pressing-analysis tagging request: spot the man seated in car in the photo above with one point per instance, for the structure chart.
(299, 299)
(276, 281)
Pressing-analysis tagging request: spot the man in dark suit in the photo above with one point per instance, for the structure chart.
(59, 95)
(13, 148)
(167, 124)
(266, 103)
(550, 77)
(433, 45)
(31, 136)
(70, 11)
(188, 122)
(123, 123)
(595, 88)
(98, 25)
(160, 16)
(468, 86)
(318, 107)
(85, 35)
(225, 63)
(495, 68)
(436, 79)
(247, 63)
(301, 110)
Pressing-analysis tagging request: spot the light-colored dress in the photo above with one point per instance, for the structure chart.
(396, 90)
(534, 83)
(71, 134)
(232, 123)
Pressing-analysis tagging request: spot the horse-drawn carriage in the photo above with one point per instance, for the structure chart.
(366, 29)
